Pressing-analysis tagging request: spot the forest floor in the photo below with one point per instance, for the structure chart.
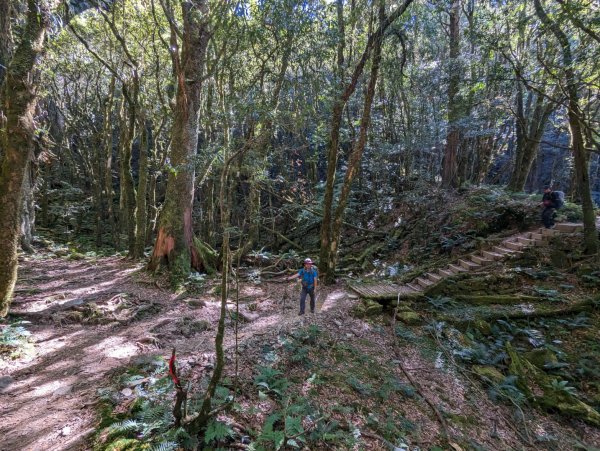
(94, 319)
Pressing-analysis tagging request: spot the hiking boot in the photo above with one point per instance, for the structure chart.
(301, 313)
(312, 311)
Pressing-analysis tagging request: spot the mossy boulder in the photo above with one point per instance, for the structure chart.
(541, 357)
(196, 303)
(189, 326)
(366, 307)
(488, 374)
(373, 308)
(482, 326)
(408, 317)
(75, 256)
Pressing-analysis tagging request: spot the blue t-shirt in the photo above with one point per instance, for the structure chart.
(308, 277)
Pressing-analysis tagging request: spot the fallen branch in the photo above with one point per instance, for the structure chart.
(284, 238)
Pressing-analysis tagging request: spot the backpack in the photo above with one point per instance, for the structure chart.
(558, 198)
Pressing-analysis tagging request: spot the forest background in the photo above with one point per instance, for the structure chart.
(177, 124)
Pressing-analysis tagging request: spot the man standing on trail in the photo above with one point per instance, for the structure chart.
(308, 277)
(551, 202)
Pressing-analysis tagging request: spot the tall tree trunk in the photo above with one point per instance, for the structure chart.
(225, 202)
(353, 162)
(108, 156)
(346, 90)
(175, 240)
(6, 38)
(450, 176)
(141, 205)
(530, 129)
(127, 199)
(575, 116)
(28, 210)
(18, 101)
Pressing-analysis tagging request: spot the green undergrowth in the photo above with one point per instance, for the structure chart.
(529, 334)
(136, 411)
(307, 390)
(15, 340)
(429, 227)
(322, 391)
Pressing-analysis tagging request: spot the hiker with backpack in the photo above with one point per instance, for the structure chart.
(308, 276)
(551, 201)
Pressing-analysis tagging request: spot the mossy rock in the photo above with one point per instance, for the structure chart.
(539, 388)
(408, 317)
(359, 310)
(196, 303)
(76, 256)
(482, 326)
(373, 308)
(541, 357)
(488, 374)
(189, 327)
(366, 307)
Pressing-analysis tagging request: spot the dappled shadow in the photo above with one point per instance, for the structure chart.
(48, 401)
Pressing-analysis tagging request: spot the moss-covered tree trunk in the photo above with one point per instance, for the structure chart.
(141, 205)
(6, 37)
(28, 209)
(128, 196)
(530, 127)
(18, 102)
(355, 156)
(175, 240)
(574, 114)
(108, 193)
(326, 258)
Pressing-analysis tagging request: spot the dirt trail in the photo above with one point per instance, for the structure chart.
(47, 402)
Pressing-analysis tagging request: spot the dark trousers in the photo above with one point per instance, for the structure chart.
(311, 293)
(548, 217)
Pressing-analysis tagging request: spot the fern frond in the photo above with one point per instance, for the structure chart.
(125, 426)
(165, 446)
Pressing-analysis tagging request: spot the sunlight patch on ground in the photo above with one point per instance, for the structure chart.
(51, 389)
(115, 347)
(332, 299)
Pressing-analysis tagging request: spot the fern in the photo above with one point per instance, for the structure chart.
(165, 446)
(563, 387)
(181, 436)
(125, 427)
(217, 431)
(507, 390)
(270, 379)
